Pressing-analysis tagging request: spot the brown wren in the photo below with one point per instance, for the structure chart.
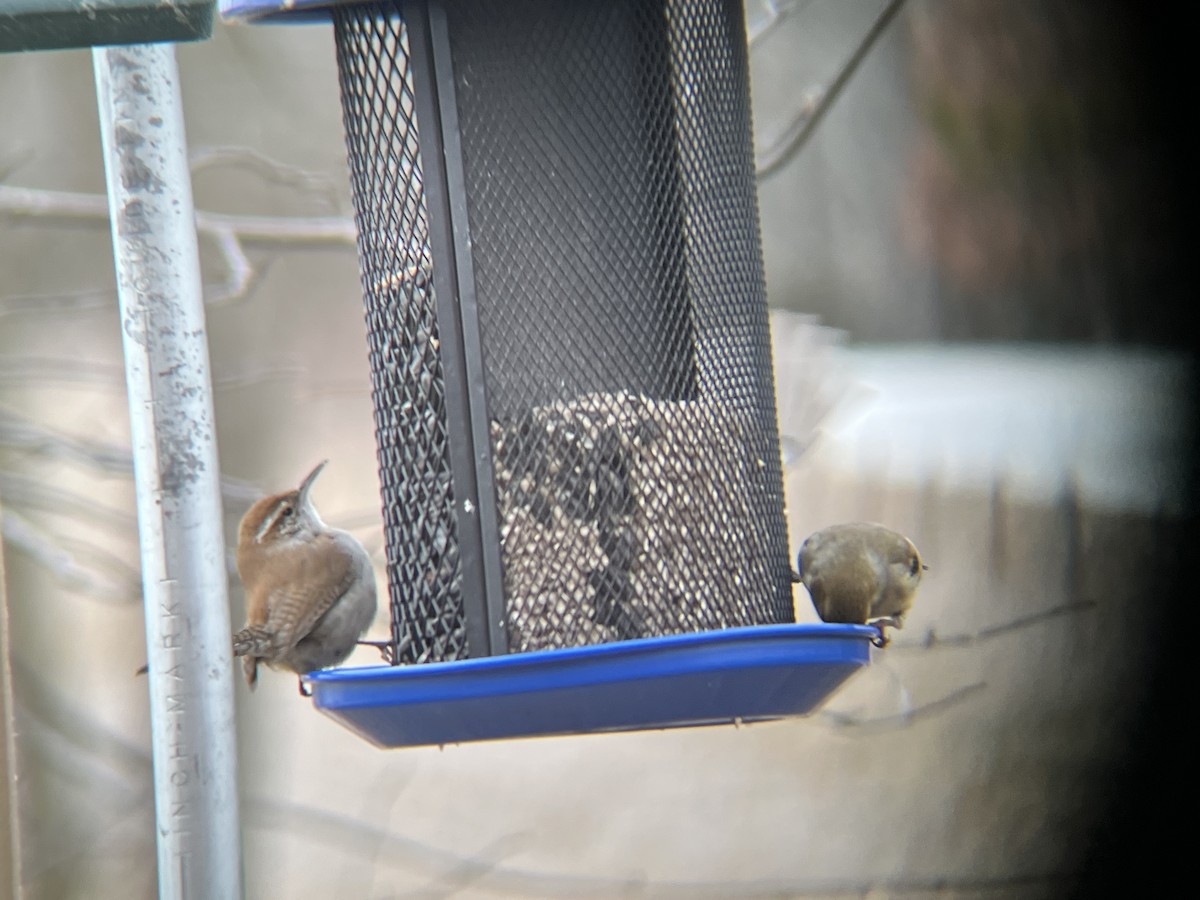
(860, 573)
(310, 589)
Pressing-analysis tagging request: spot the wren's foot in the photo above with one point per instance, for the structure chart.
(882, 622)
(384, 648)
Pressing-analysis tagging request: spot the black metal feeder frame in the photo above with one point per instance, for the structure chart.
(572, 378)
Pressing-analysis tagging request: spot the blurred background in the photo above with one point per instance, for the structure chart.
(982, 338)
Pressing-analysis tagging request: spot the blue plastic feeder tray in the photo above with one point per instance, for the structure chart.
(275, 11)
(711, 678)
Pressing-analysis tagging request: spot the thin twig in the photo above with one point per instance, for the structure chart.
(92, 209)
(19, 433)
(37, 494)
(57, 557)
(776, 13)
(230, 234)
(71, 301)
(43, 370)
(933, 639)
(844, 721)
(268, 169)
(240, 278)
(817, 103)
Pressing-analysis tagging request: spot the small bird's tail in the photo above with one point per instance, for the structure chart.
(253, 640)
(251, 643)
(250, 667)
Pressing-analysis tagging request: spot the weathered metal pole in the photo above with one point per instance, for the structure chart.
(176, 472)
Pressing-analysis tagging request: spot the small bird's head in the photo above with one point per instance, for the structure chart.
(904, 562)
(283, 517)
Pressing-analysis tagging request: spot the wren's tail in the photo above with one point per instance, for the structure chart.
(252, 644)
(253, 640)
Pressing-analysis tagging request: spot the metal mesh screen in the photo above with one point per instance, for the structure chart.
(424, 575)
(607, 172)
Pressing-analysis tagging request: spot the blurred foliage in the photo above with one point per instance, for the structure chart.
(1043, 187)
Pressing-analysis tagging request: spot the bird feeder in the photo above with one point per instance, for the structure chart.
(572, 378)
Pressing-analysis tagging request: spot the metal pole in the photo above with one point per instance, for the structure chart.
(176, 472)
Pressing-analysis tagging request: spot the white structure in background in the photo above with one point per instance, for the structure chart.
(1036, 418)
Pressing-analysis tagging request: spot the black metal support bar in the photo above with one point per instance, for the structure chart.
(489, 524)
(470, 453)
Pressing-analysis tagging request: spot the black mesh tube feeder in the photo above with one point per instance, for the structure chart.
(572, 380)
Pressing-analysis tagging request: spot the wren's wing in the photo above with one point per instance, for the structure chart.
(321, 575)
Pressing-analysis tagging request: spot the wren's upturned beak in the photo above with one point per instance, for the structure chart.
(307, 483)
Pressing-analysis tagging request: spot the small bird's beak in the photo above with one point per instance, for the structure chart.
(307, 483)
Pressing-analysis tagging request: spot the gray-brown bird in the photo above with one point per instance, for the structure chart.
(310, 589)
(860, 573)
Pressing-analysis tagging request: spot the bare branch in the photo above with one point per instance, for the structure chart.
(50, 303)
(92, 209)
(17, 432)
(36, 494)
(250, 377)
(788, 142)
(476, 868)
(775, 12)
(46, 369)
(230, 234)
(932, 639)
(862, 727)
(240, 279)
(816, 102)
(63, 206)
(269, 169)
(57, 557)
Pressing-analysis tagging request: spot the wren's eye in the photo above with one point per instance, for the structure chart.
(286, 510)
(914, 566)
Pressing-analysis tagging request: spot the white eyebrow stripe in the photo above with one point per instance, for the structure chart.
(269, 522)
